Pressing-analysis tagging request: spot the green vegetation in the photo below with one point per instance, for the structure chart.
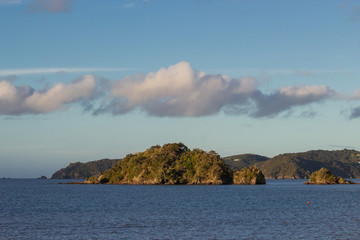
(176, 164)
(249, 176)
(169, 164)
(324, 176)
(344, 163)
(80, 170)
(238, 162)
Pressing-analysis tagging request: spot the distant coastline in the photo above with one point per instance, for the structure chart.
(343, 163)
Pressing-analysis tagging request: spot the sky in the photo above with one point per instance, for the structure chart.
(83, 80)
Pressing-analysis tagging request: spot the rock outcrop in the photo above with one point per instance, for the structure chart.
(249, 176)
(324, 176)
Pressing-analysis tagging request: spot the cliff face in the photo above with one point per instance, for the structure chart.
(324, 176)
(249, 176)
(169, 164)
(80, 170)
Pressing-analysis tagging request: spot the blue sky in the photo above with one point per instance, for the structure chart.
(82, 80)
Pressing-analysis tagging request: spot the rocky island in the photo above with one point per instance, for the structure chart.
(170, 164)
(249, 176)
(324, 176)
(174, 163)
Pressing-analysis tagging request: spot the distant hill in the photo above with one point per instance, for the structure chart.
(237, 162)
(344, 163)
(80, 170)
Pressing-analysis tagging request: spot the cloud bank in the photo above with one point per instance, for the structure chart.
(25, 100)
(176, 91)
(181, 91)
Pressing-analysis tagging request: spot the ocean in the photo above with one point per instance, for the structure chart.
(281, 209)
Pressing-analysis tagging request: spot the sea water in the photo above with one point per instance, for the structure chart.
(281, 209)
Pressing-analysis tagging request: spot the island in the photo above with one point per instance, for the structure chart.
(324, 176)
(249, 176)
(175, 163)
(172, 163)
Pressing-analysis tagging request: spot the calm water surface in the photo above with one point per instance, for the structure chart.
(43, 209)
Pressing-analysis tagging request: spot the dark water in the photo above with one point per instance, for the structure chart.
(42, 209)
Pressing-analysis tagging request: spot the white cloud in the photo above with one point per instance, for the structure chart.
(7, 92)
(25, 71)
(269, 105)
(60, 94)
(22, 100)
(11, 98)
(178, 91)
(304, 91)
(181, 91)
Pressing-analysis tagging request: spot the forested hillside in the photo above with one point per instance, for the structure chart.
(80, 170)
(344, 163)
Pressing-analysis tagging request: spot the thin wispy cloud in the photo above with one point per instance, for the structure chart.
(9, 2)
(304, 73)
(129, 5)
(50, 6)
(290, 72)
(353, 11)
(355, 95)
(342, 147)
(25, 71)
(24, 118)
